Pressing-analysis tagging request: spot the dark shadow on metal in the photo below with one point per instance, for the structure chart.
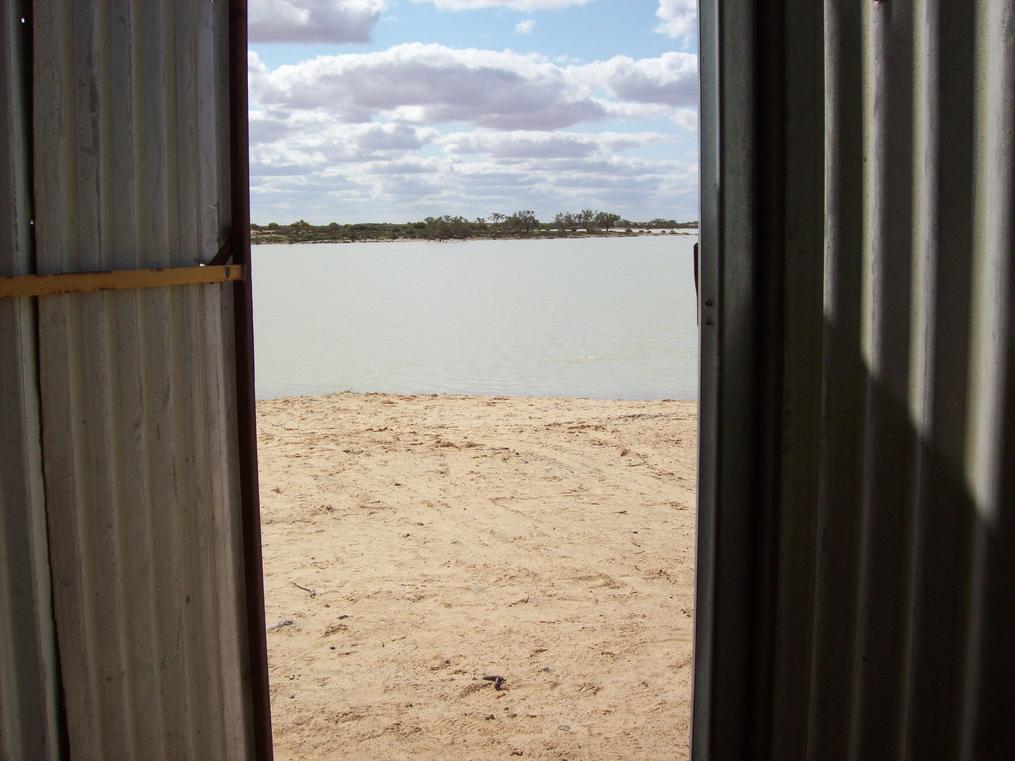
(246, 407)
(26, 10)
(697, 286)
(854, 595)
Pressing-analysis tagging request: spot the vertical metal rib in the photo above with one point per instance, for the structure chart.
(889, 441)
(989, 685)
(942, 512)
(844, 392)
(794, 337)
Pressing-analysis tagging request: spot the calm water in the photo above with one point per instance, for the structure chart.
(598, 318)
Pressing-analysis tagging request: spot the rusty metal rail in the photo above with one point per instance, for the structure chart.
(19, 286)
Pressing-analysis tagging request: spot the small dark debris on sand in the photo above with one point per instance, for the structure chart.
(280, 625)
(498, 681)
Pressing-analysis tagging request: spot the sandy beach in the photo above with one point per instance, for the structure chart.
(415, 545)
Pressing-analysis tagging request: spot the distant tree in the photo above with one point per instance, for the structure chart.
(497, 218)
(587, 218)
(605, 220)
(435, 228)
(662, 223)
(524, 221)
(458, 227)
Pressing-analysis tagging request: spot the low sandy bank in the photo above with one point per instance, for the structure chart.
(414, 545)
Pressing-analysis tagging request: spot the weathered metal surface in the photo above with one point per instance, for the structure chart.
(857, 488)
(131, 128)
(18, 286)
(28, 666)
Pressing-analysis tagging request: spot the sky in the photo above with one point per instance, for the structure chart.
(395, 110)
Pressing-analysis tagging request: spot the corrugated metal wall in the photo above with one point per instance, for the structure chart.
(130, 105)
(131, 112)
(857, 494)
(28, 686)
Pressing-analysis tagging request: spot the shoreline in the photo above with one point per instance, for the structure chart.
(256, 242)
(467, 397)
(415, 544)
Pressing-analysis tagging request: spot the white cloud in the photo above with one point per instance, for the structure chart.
(670, 80)
(515, 5)
(530, 144)
(318, 173)
(686, 119)
(430, 84)
(305, 142)
(314, 20)
(678, 18)
(413, 187)
(525, 27)
(433, 84)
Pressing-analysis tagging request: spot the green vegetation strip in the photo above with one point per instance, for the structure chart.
(521, 224)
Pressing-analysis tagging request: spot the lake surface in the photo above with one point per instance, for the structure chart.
(602, 318)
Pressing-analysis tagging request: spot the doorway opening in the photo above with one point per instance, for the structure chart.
(478, 448)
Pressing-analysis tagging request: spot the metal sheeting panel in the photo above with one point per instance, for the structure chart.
(132, 156)
(858, 407)
(28, 665)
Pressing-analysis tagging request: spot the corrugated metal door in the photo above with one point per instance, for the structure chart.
(857, 493)
(135, 158)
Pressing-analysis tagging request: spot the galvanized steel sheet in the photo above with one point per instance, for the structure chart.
(131, 125)
(858, 404)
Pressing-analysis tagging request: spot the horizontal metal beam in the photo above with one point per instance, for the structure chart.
(20, 286)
